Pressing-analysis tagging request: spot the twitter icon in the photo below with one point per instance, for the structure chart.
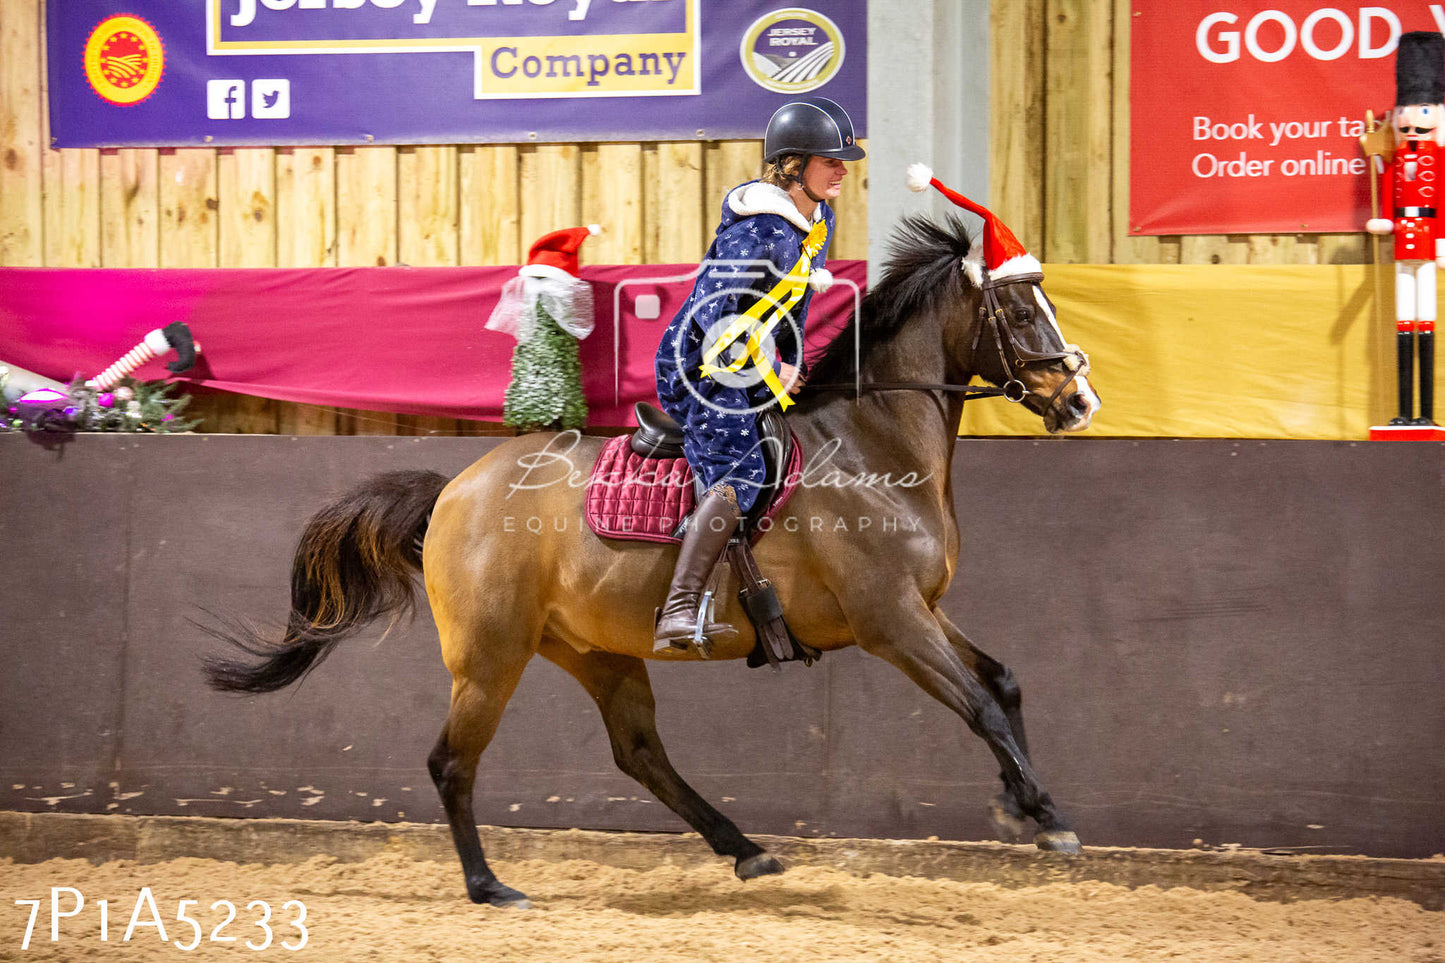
(271, 99)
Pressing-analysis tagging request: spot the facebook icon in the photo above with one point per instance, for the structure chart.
(225, 99)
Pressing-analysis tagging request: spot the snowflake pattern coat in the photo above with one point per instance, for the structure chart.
(759, 240)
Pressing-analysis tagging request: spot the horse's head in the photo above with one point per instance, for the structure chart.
(937, 318)
(1014, 342)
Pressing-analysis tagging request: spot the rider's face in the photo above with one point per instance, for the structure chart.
(824, 176)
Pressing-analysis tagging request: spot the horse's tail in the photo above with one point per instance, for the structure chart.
(355, 562)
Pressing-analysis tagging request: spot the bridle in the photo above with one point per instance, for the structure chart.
(992, 315)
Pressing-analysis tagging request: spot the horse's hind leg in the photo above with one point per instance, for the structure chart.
(476, 708)
(914, 640)
(618, 684)
(1007, 815)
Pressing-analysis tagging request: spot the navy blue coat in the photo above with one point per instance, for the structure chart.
(718, 414)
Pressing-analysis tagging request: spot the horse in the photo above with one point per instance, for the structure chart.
(887, 394)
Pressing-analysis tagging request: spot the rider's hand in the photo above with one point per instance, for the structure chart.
(1380, 225)
(790, 376)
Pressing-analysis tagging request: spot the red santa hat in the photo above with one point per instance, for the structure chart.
(555, 255)
(1003, 255)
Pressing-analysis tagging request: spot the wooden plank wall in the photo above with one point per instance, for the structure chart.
(1059, 177)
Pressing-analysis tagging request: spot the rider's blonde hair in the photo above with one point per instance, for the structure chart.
(784, 171)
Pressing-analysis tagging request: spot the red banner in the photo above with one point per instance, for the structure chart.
(1246, 116)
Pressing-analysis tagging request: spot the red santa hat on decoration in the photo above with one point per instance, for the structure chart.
(1002, 254)
(555, 255)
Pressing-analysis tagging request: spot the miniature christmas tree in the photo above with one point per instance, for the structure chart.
(546, 387)
(548, 309)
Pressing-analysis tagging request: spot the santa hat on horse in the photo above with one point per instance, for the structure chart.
(1003, 256)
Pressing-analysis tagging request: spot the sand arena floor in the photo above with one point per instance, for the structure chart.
(392, 907)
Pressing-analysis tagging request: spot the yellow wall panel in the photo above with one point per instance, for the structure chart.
(1288, 351)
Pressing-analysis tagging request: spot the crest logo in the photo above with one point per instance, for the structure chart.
(792, 51)
(124, 60)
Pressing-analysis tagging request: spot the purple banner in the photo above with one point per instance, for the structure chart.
(136, 73)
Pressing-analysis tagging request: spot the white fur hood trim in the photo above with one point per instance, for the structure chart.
(756, 197)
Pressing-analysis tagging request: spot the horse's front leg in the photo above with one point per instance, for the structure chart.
(1007, 815)
(916, 642)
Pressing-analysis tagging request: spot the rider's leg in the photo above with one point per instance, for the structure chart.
(712, 524)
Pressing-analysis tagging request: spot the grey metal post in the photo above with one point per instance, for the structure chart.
(928, 94)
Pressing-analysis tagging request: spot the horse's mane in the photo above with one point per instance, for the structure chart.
(922, 269)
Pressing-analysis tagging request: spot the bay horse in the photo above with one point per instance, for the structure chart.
(501, 595)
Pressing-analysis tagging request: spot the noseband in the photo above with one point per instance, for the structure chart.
(991, 313)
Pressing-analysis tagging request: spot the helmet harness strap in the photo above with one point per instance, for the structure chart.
(798, 179)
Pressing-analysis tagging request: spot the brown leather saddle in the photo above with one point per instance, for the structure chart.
(658, 436)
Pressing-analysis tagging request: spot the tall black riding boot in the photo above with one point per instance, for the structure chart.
(1405, 371)
(712, 524)
(1427, 378)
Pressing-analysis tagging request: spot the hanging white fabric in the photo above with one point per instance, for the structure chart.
(568, 302)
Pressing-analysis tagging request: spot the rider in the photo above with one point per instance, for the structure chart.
(722, 359)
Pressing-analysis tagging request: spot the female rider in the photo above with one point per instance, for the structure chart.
(735, 347)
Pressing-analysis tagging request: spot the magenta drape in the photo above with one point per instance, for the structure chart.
(407, 340)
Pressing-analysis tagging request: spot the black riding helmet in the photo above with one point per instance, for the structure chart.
(811, 125)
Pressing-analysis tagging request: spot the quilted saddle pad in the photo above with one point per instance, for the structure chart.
(645, 499)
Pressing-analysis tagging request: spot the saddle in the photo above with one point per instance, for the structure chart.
(642, 488)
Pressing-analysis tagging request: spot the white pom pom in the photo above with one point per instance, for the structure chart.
(919, 177)
(594, 229)
(820, 279)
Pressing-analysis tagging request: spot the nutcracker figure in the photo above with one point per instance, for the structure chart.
(1410, 185)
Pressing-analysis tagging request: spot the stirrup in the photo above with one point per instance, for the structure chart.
(706, 614)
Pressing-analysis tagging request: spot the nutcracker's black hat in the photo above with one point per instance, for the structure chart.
(1420, 69)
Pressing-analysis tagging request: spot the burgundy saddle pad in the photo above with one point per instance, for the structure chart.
(645, 499)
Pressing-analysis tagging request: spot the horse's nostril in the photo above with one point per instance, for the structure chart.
(1079, 403)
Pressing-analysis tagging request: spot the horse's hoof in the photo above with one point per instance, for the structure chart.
(503, 897)
(763, 864)
(1008, 825)
(1058, 841)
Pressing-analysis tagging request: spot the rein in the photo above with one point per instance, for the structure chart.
(990, 312)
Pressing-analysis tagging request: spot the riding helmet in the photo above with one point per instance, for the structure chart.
(811, 125)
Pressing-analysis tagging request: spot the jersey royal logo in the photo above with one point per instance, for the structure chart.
(792, 50)
(124, 59)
